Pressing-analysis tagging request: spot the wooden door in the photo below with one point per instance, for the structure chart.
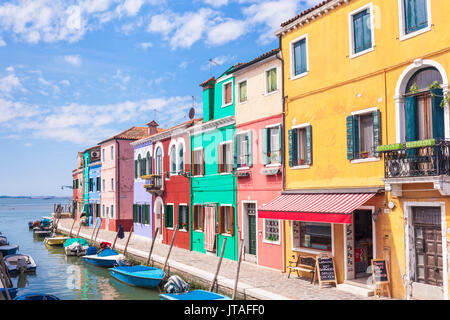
(252, 234)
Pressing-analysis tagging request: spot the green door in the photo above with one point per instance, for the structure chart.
(252, 234)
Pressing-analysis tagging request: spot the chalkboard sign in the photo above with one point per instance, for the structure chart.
(325, 270)
(380, 271)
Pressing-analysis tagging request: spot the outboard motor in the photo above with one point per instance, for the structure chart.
(176, 285)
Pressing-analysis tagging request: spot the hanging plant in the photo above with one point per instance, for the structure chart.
(445, 101)
(414, 88)
(432, 86)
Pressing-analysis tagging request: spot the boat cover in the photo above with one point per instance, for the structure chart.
(107, 253)
(91, 251)
(81, 241)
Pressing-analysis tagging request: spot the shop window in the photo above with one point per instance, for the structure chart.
(312, 235)
(226, 220)
(183, 217)
(198, 164)
(271, 145)
(271, 230)
(198, 217)
(225, 163)
(300, 146)
(168, 217)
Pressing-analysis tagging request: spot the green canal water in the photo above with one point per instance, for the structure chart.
(68, 278)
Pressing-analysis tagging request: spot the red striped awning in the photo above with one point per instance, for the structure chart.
(329, 207)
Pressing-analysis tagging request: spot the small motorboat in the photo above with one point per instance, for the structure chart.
(106, 258)
(55, 241)
(17, 262)
(138, 276)
(9, 249)
(194, 295)
(3, 241)
(42, 232)
(76, 247)
(37, 296)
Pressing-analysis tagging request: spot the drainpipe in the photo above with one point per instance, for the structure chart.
(283, 176)
(118, 183)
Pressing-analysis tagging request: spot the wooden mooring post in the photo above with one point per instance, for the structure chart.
(4, 277)
(92, 236)
(238, 269)
(79, 228)
(218, 265)
(70, 233)
(153, 243)
(128, 240)
(98, 229)
(115, 239)
(170, 249)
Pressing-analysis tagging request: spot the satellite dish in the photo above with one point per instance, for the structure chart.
(192, 113)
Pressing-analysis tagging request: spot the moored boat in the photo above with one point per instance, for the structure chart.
(138, 276)
(15, 262)
(76, 247)
(107, 258)
(12, 291)
(37, 296)
(194, 295)
(55, 241)
(9, 249)
(42, 232)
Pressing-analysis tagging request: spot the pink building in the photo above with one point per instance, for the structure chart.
(117, 178)
(78, 190)
(259, 157)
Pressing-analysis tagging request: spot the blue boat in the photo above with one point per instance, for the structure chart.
(194, 295)
(9, 249)
(107, 258)
(12, 292)
(37, 296)
(138, 276)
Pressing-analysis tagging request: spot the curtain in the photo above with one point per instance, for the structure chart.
(271, 80)
(243, 91)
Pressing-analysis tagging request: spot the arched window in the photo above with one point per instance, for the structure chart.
(139, 166)
(149, 163)
(423, 78)
(158, 161)
(173, 160)
(181, 158)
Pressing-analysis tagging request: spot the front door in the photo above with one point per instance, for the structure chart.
(363, 243)
(158, 220)
(428, 246)
(210, 228)
(252, 234)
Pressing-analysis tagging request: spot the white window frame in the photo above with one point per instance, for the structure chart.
(300, 126)
(230, 142)
(291, 48)
(187, 222)
(230, 206)
(313, 251)
(360, 113)
(351, 31)
(265, 80)
(239, 91)
(193, 160)
(223, 93)
(402, 21)
(173, 145)
(264, 232)
(112, 152)
(244, 133)
(273, 126)
(181, 142)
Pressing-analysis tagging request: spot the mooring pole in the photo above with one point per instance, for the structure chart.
(98, 229)
(151, 248)
(70, 233)
(115, 239)
(128, 240)
(170, 249)
(92, 236)
(79, 228)
(238, 269)
(218, 265)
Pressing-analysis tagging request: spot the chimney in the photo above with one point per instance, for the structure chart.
(208, 99)
(152, 127)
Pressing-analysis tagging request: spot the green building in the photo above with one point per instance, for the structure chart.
(213, 183)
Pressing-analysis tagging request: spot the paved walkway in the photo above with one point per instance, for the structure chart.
(254, 281)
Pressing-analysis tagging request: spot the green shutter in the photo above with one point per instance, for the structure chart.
(309, 145)
(134, 213)
(376, 131)
(250, 148)
(293, 152)
(350, 138)
(437, 96)
(411, 118)
(236, 151)
(166, 215)
(179, 217)
(147, 214)
(186, 212)
(135, 169)
(265, 144)
(144, 167)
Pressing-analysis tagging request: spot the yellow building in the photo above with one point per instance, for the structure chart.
(357, 78)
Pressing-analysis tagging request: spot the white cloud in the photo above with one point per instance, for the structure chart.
(73, 59)
(226, 32)
(10, 69)
(218, 61)
(65, 82)
(10, 110)
(10, 83)
(216, 3)
(2, 42)
(161, 23)
(145, 45)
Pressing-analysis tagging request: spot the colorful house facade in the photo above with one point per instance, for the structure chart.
(213, 184)
(258, 159)
(347, 195)
(90, 155)
(117, 178)
(94, 185)
(78, 191)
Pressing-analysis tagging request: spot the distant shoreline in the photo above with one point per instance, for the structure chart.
(31, 197)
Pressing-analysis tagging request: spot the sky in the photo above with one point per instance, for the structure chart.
(75, 72)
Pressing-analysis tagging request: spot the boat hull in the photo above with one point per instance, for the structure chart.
(194, 295)
(7, 250)
(55, 241)
(11, 263)
(136, 281)
(103, 263)
(12, 292)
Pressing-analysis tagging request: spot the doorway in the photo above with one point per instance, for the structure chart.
(250, 229)
(210, 228)
(158, 218)
(363, 243)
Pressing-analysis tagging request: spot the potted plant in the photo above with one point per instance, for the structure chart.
(183, 225)
(301, 162)
(364, 154)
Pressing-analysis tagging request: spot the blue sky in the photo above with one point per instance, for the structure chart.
(75, 72)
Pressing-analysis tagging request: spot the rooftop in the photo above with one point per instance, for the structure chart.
(134, 133)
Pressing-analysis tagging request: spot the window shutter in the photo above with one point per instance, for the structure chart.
(166, 216)
(250, 148)
(265, 146)
(411, 118)
(179, 217)
(202, 226)
(232, 220)
(186, 216)
(220, 220)
(280, 142)
(300, 57)
(376, 131)
(202, 166)
(220, 162)
(309, 145)
(437, 96)
(350, 139)
(147, 214)
(293, 147)
(134, 213)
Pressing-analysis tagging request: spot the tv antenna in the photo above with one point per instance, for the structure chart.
(211, 62)
(192, 110)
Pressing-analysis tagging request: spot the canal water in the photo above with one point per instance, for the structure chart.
(68, 278)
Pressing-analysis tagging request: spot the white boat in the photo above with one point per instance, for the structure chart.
(76, 247)
(15, 262)
(107, 258)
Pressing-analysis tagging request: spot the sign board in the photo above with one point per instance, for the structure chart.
(379, 271)
(325, 270)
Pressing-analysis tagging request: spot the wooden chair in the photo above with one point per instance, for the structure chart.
(304, 263)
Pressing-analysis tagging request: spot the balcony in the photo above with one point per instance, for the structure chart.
(417, 162)
(154, 183)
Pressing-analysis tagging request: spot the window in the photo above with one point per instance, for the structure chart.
(98, 184)
(103, 155)
(271, 80)
(112, 152)
(363, 135)
(180, 158)
(112, 211)
(136, 216)
(198, 217)
(226, 220)
(243, 149)
(271, 230)
(271, 145)
(168, 217)
(77, 184)
(242, 91)
(112, 184)
(299, 57)
(300, 146)
(361, 31)
(103, 211)
(107, 211)
(415, 15)
(312, 235)
(183, 217)
(198, 165)
(91, 184)
(225, 162)
(173, 160)
(149, 168)
(159, 161)
(103, 184)
(227, 93)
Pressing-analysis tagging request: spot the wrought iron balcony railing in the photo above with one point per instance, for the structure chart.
(153, 182)
(416, 159)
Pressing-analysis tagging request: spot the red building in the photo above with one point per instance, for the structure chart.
(78, 190)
